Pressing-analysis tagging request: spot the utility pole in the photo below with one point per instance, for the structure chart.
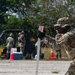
(40, 36)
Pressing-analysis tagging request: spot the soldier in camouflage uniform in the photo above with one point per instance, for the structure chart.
(67, 40)
(21, 41)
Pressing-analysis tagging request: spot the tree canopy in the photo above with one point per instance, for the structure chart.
(29, 14)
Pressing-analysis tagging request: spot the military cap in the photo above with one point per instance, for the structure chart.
(62, 25)
(63, 20)
(57, 25)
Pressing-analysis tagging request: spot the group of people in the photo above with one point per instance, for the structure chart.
(23, 44)
(65, 37)
(11, 43)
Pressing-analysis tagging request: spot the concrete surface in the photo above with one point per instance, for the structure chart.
(28, 67)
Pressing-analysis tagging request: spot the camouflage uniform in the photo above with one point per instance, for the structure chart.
(68, 40)
(10, 43)
(21, 41)
(58, 46)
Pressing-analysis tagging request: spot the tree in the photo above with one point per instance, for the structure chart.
(35, 12)
(8, 7)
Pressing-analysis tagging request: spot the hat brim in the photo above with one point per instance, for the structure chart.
(61, 25)
(57, 25)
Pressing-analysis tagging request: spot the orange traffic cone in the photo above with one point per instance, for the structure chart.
(51, 55)
(11, 54)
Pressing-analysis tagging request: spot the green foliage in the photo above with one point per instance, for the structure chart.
(32, 13)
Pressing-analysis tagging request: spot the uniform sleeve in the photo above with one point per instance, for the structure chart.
(63, 39)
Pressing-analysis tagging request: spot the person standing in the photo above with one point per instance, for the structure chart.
(57, 46)
(21, 41)
(10, 44)
(12, 35)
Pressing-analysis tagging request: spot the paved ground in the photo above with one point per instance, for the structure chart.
(28, 67)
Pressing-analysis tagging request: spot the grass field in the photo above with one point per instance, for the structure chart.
(46, 52)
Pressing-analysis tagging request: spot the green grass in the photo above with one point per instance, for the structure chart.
(46, 52)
